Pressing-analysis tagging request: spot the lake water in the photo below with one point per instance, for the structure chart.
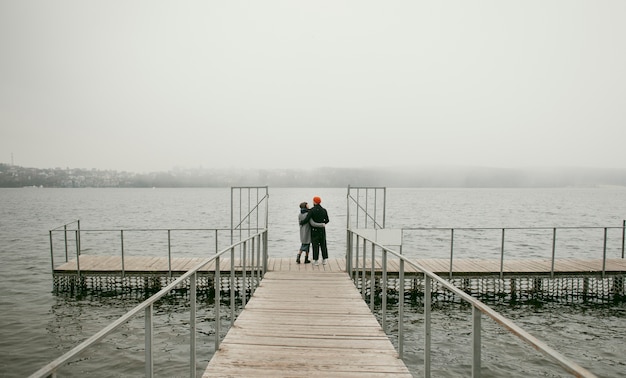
(37, 326)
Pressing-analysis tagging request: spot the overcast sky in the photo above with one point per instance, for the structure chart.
(152, 85)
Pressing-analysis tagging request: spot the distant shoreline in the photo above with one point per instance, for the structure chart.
(12, 176)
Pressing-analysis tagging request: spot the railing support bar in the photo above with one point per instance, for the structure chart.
(169, 253)
(52, 253)
(265, 254)
(218, 291)
(122, 247)
(451, 250)
(77, 255)
(363, 268)
(349, 253)
(192, 325)
(401, 311)
(553, 252)
(373, 279)
(476, 317)
(604, 254)
(243, 274)
(502, 257)
(427, 336)
(623, 235)
(148, 341)
(78, 236)
(67, 256)
(384, 292)
(233, 289)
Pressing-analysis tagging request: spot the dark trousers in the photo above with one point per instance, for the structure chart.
(318, 239)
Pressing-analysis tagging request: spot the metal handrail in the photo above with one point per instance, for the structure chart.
(478, 308)
(503, 229)
(260, 247)
(78, 231)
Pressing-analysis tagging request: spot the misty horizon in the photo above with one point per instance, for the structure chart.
(426, 177)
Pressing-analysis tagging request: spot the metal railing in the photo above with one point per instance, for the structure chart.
(72, 238)
(355, 241)
(502, 241)
(254, 261)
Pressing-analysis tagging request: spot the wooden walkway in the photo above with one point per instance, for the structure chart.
(468, 267)
(302, 323)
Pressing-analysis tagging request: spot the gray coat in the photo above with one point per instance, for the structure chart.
(305, 229)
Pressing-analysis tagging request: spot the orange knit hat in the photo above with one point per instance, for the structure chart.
(316, 199)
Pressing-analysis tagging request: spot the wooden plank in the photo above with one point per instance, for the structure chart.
(324, 328)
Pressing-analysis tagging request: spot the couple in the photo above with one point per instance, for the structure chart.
(313, 230)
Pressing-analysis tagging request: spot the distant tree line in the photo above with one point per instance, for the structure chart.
(429, 177)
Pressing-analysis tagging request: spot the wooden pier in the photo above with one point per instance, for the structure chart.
(571, 280)
(307, 322)
(112, 265)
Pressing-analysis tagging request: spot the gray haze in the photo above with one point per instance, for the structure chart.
(152, 85)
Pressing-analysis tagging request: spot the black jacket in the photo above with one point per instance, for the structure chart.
(318, 214)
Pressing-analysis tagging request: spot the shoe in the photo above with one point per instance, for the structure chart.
(325, 261)
(307, 261)
(298, 259)
(316, 262)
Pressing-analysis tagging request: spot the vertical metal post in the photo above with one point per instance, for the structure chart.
(476, 342)
(349, 236)
(252, 266)
(427, 335)
(265, 254)
(373, 278)
(401, 310)
(52, 252)
(232, 213)
(192, 325)
(366, 207)
(502, 256)
(169, 253)
(604, 254)
(349, 253)
(122, 246)
(78, 236)
(258, 259)
(77, 255)
(67, 256)
(384, 292)
(148, 341)
(232, 285)
(623, 235)
(384, 206)
(553, 252)
(216, 243)
(375, 206)
(356, 260)
(243, 275)
(218, 291)
(240, 223)
(451, 250)
(267, 206)
(364, 266)
(358, 194)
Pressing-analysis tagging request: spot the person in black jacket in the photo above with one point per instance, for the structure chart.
(318, 234)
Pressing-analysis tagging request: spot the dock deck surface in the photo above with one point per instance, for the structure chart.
(461, 267)
(306, 323)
